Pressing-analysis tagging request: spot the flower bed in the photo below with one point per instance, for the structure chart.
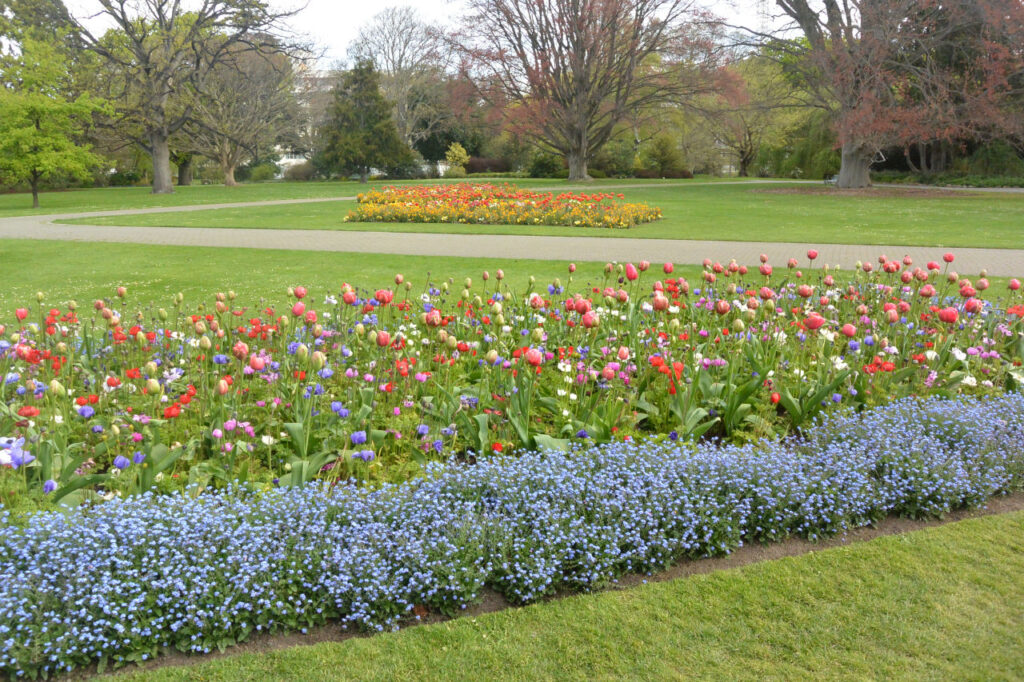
(375, 385)
(497, 205)
(125, 579)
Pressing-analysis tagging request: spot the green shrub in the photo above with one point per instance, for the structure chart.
(995, 159)
(661, 159)
(545, 165)
(263, 172)
(455, 172)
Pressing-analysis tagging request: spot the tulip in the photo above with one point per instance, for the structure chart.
(298, 309)
(383, 339)
(223, 387)
(310, 317)
(812, 254)
(644, 264)
(660, 302)
(240, 350)
(1014, 284)
(300, 292)
(765, 270)
(534, 357)
(892, 317)
(982, 284)
(21, 313)
(667, 268)
(590, 319)
(631, 273)
(948, 257)
(349, 297)
(804, 291)
(848, 330)
(399, 278)
(814, 321)
(257, 363)
(623, 353)
(927, 291)
(973, 305)
(122, 292)
(722, 307)
(948, 315)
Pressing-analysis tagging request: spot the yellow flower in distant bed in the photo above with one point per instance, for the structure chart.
(505, 205)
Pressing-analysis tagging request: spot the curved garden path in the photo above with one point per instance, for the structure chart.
(998, 262)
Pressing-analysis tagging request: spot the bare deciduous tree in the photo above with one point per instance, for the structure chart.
(247, 101)
(410, 59)
(160, 55)
(572, 70)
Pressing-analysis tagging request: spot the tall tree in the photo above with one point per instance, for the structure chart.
(361, 134)
(246, 102)
(754, 105)
(159, 58)
(571, 70)
(410, 59)
(40, 128)
(884, 69)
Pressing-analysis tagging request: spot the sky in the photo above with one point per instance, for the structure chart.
(333, 24)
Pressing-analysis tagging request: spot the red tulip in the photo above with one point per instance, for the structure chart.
(814, 321)
(722, 307)
(776, 398)
(21, 313)
(668, 268)
(948, 257)
(383, 339)
(948, 315)
(534, 357)
(812, 254)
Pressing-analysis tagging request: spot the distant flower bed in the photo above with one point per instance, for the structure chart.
(123, 580)
(493, 205)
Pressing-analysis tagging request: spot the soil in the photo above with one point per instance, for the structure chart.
(888, 192)
(491, 601)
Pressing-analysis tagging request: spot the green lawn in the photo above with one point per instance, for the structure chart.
(695, 211)
(118, 198)
(85, 271)
(945, 603)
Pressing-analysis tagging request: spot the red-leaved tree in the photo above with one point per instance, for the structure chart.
(903, 72)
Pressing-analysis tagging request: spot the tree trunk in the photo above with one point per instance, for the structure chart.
(35, 192)
(185, 172)
(364, 175)
(578, 167)
(856, 164)
(229, 175)
(161, 154)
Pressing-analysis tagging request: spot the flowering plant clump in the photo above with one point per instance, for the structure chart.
(124, 397)
(494, 205)
(124, 580)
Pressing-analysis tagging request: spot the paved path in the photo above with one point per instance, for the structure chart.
(998, 262)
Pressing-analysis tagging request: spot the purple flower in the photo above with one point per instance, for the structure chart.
(358, 437)
(138, 457)
(49, 486)
(86, 411)
(422, 430)
(122, 462)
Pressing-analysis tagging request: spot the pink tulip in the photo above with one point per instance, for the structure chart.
(948, 315)
(812, 254)
(623, 353)
(311, 317)
(300, 292)
(572, 268)
(349, 297)
(534, 357)
(644, 264)
(590, 319)
(804, 291)
(240, 350)
(257, 363)
(848, 330)
(932, 265)
(667, 268)
(948, 257)
(892, 317)
(927, 291)
(982, 284)
(298, 309)
(383, 339)
(765, 270)
(631, 274)
(722, 307)
(660, 302)
(766, 293)
(21, 313)
(973, 305)
(399, 278)
(1014, 284)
